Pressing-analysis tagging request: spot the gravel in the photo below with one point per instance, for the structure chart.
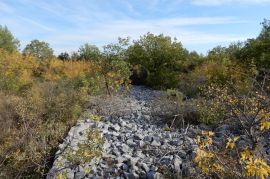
(136, 145)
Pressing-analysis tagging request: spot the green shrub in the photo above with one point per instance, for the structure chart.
(215, 72)
(209, 111)
(139, 75)
(161, 58)
(190, 84)
(162, 78)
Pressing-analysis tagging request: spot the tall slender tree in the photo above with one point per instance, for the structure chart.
(7, 41)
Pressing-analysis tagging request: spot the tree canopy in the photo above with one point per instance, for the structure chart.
(88, 52)
(257, 50)
(39, 49)
(64, 56)
(7, 41)
(160, 56)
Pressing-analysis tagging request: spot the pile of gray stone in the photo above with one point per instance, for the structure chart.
(136, 144)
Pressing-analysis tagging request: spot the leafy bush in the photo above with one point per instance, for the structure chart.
(250, 112)
(40, 101)
(41, 116)
(174, 94)
(214, 72)
(139, 75)
(207, 73)
(160, 56)
(115, 70)
(256, 50)
(191, 83)
(15, 71)
(79, 74)
(229, 162)
(210, 110)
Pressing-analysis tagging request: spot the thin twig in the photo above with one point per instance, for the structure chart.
(186, 130)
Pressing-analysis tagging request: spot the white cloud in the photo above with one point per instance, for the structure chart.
(37, 24)
(198, 21)
(104, 33)
(68, 25)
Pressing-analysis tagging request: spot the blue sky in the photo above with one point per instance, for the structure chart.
(198, 24)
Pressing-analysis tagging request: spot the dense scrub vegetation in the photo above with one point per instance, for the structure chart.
(228, 86)
(41, 96)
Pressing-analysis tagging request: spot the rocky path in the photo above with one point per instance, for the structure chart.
(136, 144)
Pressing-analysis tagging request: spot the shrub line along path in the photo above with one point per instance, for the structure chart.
(136, 144)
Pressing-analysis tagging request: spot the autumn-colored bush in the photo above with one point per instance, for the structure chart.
(203, 75)
(16, 71)
(7, 118)
(114, 73)
(214, 72)
(79, 74)
(191, 83)
(40, 100)
(39, 120)
(249, 111)
(230, 162)
(225, 72)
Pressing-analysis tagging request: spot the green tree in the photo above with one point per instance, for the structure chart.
(39, 49)
(115, 68)
(74, 56)
(225, 55)
(257, 50)
(192, 60)
(89, 52)
(234, 50)
(7, 40)
(64, 56)
(160, 56)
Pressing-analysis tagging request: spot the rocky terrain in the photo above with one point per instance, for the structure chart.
(136, 144)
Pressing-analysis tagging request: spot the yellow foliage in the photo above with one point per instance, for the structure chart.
(220, 73)
(211, 161)
(246, 155)
(231, 143)
(254, 166)
(39, 101)
(61, 176)
(15, 70)
(96, 118)
(257, 167)
(208, 133)
(57, 69)
(217, 167)
(203, 159)
(206, 140)
(265, 125)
